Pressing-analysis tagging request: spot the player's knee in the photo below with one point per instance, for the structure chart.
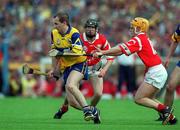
(170, 88)
(69, 87)
(98, 95)
(137, 99)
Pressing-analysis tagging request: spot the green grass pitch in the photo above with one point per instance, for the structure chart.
(36, 114)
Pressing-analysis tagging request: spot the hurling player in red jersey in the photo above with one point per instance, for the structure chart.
(155, 76)
(93, 41)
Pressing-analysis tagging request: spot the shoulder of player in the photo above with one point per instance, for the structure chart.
(74, 30)
(141, 34)
(54, 30)
(101, 36)
(81, 35)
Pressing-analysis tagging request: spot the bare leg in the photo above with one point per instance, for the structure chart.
(72, 101)
(144, 96)
(172, 84)
(98, 88)
(72, 88)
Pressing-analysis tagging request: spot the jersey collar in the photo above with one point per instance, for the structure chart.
(85, 38)
(69, 29)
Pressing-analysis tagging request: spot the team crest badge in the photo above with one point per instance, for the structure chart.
(58, 42)
(85, 48)
(99, 46)
(69, 40)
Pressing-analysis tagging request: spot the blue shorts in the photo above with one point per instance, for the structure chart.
(80, 67)
(178, 64)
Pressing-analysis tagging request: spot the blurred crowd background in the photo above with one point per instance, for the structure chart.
(25, 27)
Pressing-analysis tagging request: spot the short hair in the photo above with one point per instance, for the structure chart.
(63, 17)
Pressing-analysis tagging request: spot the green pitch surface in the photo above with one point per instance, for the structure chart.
(36, 114)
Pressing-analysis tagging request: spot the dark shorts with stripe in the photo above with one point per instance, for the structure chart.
(80, 67)
(178, 64)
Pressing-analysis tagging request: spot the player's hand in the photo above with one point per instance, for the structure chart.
(97, 54)
(51, 74)
(102, 73)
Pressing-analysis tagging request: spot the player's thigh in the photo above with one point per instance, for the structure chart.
(146, 90)
(175, 77)
(97, 84)
(74, 78)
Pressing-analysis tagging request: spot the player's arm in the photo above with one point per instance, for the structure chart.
(105, 68)
(55, 61)
(114, 51)
(171, 52)
(110, 60)
(77, 46)
(128, 48)
(174, 44)
(176, 35)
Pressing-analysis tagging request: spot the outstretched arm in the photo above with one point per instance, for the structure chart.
(114, 51)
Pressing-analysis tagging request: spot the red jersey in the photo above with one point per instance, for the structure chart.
(143, 46)
(89, 47)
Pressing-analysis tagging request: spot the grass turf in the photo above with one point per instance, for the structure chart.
(36, 114)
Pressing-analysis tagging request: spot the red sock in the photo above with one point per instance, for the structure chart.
(161, 107)
(171, 117)
(64, 108)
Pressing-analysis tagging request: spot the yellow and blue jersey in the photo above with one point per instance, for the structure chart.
(176, 35)
(70, 41)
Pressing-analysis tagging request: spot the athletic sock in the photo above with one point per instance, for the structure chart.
(171, 117)
(161, 107)
(64, 108)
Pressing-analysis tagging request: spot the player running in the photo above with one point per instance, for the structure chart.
(155, 76)
(92, 40)
(67, 38)
(175, 75)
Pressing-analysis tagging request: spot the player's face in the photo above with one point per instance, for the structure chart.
(90, 32)
(132, 31)
(57, 24)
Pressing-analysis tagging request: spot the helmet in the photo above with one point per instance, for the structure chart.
(91, 23)
(140, 22)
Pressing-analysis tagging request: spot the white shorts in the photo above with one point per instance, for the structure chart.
(156, 76)
(92, 72)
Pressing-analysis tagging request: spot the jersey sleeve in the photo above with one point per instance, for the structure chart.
(107, 46)
(77, 46)
(52, 41)
(176, 34)
(132, 46)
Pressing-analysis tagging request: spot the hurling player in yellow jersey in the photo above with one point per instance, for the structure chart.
(66, 38)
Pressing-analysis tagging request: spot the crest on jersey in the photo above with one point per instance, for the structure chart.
(69, 40)
(58, 42)
(99, 45)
